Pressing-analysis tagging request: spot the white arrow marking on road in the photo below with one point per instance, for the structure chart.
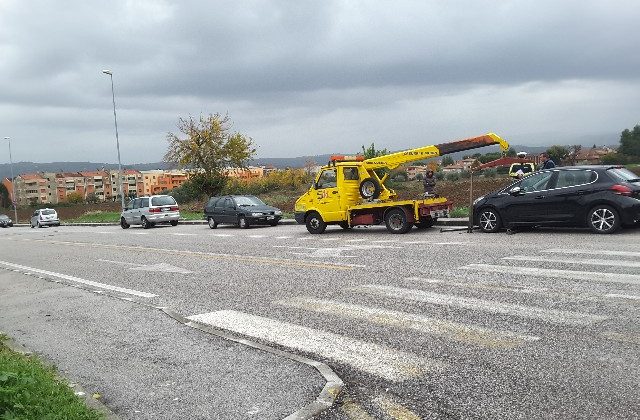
(79, 280)
(609, 263)
(378, 360)
(162, 267)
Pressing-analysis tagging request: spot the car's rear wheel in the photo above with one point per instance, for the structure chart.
(145, 223)
(603, 219)
(243, 223)
(212, 223)
(274, 223)
(396, 221)
(123, 223)
(314, 223)
(38, 224)
(174, 223)
(489, 220)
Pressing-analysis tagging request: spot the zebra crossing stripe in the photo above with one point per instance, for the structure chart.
(381, 361)
(554, 273)
(469, 334)
(593, 252)
(621, 296)
(549, 315)
(589, 261)
(482, 286)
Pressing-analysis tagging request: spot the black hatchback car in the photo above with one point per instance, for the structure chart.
(603, 198)
(240, 210)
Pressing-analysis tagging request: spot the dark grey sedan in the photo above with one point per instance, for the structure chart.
(240, 210)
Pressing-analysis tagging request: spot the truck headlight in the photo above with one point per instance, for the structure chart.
(477, 200)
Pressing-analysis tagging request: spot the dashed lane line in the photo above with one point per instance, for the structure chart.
(554, 273)
(482, 286)
(550, 315)
(469, 334)
(378, 360)
(211, 255)
(79, 280)
(588, 261)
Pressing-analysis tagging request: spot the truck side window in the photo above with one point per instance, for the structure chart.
(327, 179)
(350, 174)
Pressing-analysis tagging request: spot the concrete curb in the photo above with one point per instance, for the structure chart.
(327, 397)
(462, 221)
(91, 402)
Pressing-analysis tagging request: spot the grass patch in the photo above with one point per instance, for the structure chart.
(114, 217)
(460, 212)
(31, 390)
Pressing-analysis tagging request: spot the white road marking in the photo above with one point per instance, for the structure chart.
(184, 234)
(484, 286)
(551, 273)
(79, 280)
(256, 236)
(100, 231)
(606, 263)
(330, 239)
(162, 268)
(137, 233)
(283, 237)
(455, 331)
(381, 361)
(594, 252)
(222, 235)
(306, 238)
(436, 243)
(356, 240)
(621, 296)
(395, 410)
(550, 315)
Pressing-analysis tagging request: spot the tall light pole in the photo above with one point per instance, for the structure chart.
(13, 184)
(115, 120)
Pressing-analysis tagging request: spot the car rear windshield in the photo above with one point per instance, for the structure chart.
(163, 201)
(47, 212)
(524, 168)
(623, 174)
(248, 200)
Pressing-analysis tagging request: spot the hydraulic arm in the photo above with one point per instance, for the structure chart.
(394, 160)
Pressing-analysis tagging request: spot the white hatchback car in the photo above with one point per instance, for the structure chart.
(44, 217)
(147, 211)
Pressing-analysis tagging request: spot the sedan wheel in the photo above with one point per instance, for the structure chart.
(603, 219)
(243, 223)
(123, 223)
(489, 220)
(212, 224)
(145, 223)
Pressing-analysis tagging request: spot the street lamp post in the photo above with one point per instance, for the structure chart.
(13, 184)
(115, 120)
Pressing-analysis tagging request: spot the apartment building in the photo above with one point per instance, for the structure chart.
(132, 183)
(98, 183)
(250, 172)
(157, 181)
(31, 189)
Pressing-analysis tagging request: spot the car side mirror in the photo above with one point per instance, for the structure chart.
(516, 191)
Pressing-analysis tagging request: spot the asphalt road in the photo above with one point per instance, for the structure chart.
(540, 324)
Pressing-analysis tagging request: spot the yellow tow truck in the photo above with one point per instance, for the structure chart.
(348, 192)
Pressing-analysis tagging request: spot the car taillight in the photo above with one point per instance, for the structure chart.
(621, 190)
(174, 208)
(155, 210)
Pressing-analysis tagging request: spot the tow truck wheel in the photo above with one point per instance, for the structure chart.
(425, 223)
(314, 223)
(344, 225)
(370, 188)
(489, 220)
(396, 221)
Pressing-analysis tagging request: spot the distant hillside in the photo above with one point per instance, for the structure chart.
(280, 163)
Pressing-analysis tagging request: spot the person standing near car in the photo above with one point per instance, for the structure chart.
(547, 163)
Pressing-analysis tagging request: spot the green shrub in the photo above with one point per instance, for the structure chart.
(452, 176)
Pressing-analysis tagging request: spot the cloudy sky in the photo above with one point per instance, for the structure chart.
(314, 77)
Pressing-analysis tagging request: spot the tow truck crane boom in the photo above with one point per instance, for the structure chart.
(393, 160)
